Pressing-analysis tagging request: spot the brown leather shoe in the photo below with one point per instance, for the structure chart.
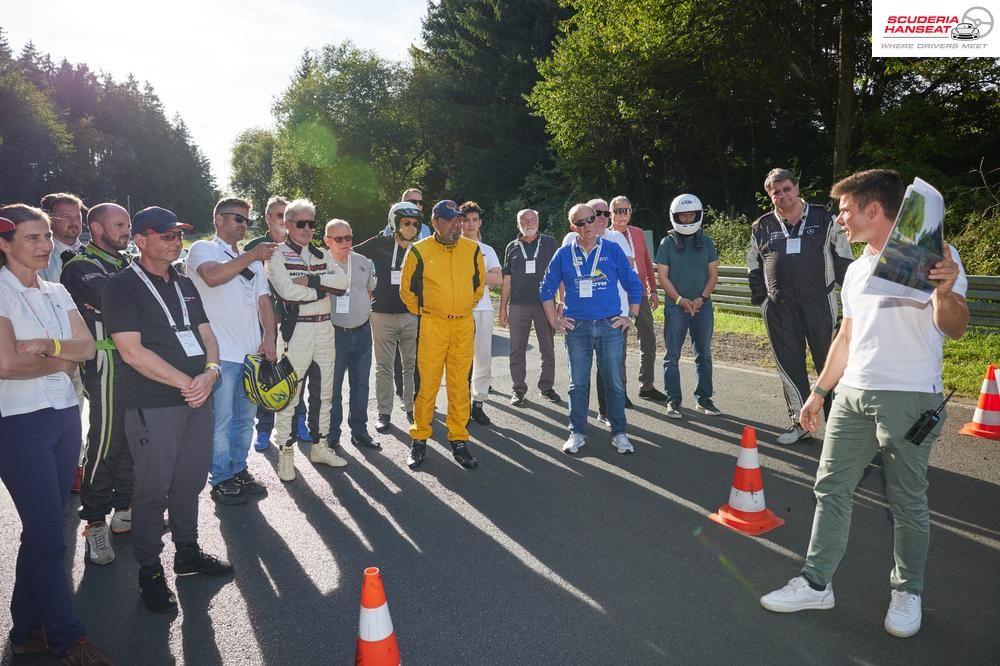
(85, 653)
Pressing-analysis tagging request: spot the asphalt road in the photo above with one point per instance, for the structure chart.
(542, 558)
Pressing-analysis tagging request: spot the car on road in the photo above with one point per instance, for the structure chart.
(965, 31)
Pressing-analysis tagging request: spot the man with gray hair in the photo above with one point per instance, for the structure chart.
(302, 278)
(796, 255)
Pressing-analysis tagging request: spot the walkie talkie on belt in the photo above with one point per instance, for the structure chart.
(926, 423)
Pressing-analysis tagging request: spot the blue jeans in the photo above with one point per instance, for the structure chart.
(581, 343)
(38, 456)
(676, 325)
(233, 424)
(354, 357)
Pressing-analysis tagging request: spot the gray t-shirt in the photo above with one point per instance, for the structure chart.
(357, 299)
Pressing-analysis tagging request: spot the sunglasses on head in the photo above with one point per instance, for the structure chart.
(341, 239)
(622, 211)
(240, 219)
(584, 220)
(605, 213)
(302, 224)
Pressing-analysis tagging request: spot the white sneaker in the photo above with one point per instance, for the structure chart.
(674, 411)
(286, 463)
(796, 596)
(322, 454)
(794, 434)
(904, 615)
(121, 522)
(98, 544)
(620, 442)
(574, 443)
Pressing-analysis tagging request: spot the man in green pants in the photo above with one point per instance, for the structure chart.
(886, 365)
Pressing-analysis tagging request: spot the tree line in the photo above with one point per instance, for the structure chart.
(66, 128)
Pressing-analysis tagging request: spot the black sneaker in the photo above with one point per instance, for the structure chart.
(365, 440)
(653, 394)
(478, 415)
(517, 399)
(190, 560)
(706, 406)
(409, 417)
(628, 403)
(248, 484)
(460, 450)
(154, 590)
(418, 449)
(551, 395)
(383, 423)
(229, 492)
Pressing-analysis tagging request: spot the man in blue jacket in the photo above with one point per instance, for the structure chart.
(590, 270)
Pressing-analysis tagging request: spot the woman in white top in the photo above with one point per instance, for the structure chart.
(42, 338)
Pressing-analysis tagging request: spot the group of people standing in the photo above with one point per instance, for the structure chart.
(162, 358)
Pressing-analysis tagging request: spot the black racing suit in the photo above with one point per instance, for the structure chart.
(795, 292)
(107, 465)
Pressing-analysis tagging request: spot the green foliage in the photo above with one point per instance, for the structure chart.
(252, 167)
(965, 361)
(731, 236)
(979, 243)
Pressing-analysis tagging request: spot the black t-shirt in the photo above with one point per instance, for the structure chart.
(524, 286)
(379, 249)
(128, 305)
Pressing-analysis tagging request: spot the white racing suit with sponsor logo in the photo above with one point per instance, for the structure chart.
(304, 326)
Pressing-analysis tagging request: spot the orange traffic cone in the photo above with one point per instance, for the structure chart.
(376, 639)
(746, 512)
(986, 420)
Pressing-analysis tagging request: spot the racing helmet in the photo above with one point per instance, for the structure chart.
(269, 385)
(401, 210)
(686, 203)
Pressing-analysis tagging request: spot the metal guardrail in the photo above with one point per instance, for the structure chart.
(733, 295)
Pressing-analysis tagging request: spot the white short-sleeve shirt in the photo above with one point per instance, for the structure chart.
(36, 313)
(492, 261)
(618, 239)
(231, 307)
(895, 345)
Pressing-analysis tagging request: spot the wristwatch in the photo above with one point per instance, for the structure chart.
(216, 367)
(820, 391)
(632, 316)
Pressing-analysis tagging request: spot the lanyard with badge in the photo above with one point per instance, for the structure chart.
(186, 337)
(53, 384)
(343, 303)
(586, 284)
(794, 245)
(248, 278)
(529, 264)
(395, 273)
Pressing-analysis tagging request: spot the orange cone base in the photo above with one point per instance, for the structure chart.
(748, 523)
(378, 653)
(978, 430)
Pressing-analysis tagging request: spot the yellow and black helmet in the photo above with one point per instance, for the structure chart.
(269, 385)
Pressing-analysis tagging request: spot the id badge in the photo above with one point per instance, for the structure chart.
(190, 343)
(248, 296)
(343, 304)
(586, 288)
(54, 387)
(793, 245)
(396, 277)
(529, 266)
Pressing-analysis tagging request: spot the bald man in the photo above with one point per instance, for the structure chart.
(107, 463)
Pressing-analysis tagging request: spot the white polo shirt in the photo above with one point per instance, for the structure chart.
(231, 307)
(618, 238)
(895, 345)
(491, 260)
(36, 313)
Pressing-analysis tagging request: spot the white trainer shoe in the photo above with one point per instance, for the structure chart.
(574, 443)
(796, 596)
(286, 463)
(674, 411)
(904, 615)
(98, 544)
(794, 434)
(322, 454)
(121, 522)
(620, 442)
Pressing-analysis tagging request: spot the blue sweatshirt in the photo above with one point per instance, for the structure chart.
(612, 268)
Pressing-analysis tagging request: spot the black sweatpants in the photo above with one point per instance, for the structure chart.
(789, 327)
(172, 450)
(107, 464)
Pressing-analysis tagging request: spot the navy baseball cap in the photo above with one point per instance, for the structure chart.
(156, 219)
(446, 210)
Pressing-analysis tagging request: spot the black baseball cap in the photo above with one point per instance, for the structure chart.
(157, 219)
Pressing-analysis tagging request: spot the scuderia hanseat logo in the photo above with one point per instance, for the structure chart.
(924, 28)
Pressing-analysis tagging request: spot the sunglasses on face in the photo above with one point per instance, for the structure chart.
(622, 211)
(240, 219)
(605, 213)
(416, 202)
(302, 224)
(341, 239)
(584, 220)
(414, 224)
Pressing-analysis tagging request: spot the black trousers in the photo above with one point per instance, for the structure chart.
(107, 464)
(789, 327)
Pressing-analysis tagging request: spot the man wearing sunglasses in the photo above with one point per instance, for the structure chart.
(411, 196)
(796, 254)
(443, 279)
(234, 289)
(590, 269)
(302, 278)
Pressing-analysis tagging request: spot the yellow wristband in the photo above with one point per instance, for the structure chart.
(678, 301)
(56, 346)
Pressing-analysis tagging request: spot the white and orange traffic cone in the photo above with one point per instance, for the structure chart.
(746, 511)
(986, 420)
(376, 639)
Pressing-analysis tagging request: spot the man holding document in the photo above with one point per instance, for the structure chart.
(885, 364)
